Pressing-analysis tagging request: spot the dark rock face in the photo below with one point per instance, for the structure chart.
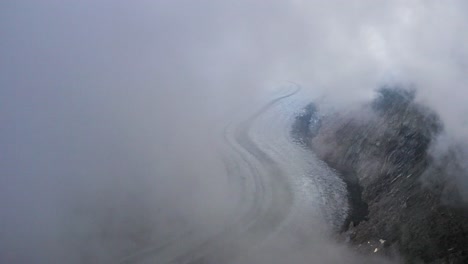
(398, 191)
(306, 125)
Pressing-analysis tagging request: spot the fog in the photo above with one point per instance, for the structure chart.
(110, 110)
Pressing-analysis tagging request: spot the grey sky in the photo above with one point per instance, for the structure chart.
(88, 86)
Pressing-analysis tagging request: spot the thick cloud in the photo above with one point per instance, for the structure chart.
(94, 91)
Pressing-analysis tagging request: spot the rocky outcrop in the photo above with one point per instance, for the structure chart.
(403, 199)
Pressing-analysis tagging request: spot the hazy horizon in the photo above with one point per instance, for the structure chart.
(109, 108)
